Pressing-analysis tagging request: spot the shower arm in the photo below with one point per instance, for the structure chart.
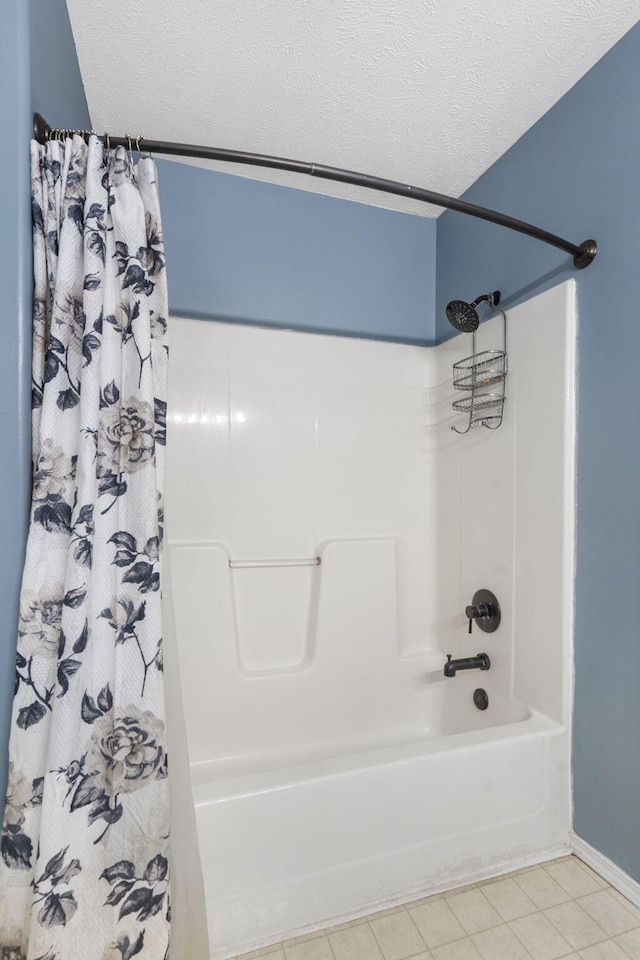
(582, 253)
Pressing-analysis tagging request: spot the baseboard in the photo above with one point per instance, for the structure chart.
(606, 868)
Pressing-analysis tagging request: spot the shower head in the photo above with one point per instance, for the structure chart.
(464, 316)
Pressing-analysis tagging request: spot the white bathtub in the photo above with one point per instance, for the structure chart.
(292, 849)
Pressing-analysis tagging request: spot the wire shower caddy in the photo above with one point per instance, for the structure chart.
(478, 376)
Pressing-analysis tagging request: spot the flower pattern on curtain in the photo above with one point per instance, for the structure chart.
(85, 834)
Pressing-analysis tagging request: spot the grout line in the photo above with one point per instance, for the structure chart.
(331, 946)
(411, 920)
(373, 934)
(399, 910)
(513, 933)
(526, 949)
(605, 936)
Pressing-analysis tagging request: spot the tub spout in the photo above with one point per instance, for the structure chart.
(479, 662)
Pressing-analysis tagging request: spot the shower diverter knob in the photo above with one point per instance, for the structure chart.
(485, 610)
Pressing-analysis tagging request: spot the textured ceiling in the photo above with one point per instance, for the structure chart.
(430, 92)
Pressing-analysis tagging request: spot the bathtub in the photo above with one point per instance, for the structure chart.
(313, 842)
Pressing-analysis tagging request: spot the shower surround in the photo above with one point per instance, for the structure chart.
(335, 769)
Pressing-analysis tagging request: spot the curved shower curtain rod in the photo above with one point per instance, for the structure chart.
(582, 253)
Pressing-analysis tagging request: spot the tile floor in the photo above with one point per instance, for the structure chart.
(559, 909)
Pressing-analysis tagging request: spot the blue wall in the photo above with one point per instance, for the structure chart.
(576, 173)
(255, 252)
(37, 63)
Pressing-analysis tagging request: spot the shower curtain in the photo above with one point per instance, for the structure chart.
(84, 870)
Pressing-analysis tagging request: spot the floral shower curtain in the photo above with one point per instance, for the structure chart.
(85, 840)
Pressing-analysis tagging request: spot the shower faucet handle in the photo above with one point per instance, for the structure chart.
(485, 609)
(477, 611)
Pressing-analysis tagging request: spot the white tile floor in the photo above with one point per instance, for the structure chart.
(560, 909)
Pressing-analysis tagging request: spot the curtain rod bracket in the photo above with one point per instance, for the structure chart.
(583, 254)
(41, 128)
(588, 251)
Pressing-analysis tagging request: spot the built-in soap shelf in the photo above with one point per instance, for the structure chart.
(478, 375)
